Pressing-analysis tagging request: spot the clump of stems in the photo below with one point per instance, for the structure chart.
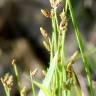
(7, 82)
(16, 74)
(62, 78)
(62, 75)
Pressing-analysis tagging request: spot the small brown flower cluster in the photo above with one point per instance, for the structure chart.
(51, 14)
(33, 73)
(63, 23)
(46, 42)
(46, 13)
(55, 3)
(7, 81)
(69, 66)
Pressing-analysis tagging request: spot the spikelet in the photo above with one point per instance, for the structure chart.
(63, 15)
(63, 23)
(46, 13)
(55, 3)
(63, 26)
(46, 45)
(69, 66)
(33, 73)
(13, 61)
(46, 42)
(69, 71)
(43, 32)
(7, 81)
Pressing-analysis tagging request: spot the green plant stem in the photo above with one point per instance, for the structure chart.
(53, 38)
(66, 7)
(32, 85)
(54, 31)
(7, 91)
(64, 74)
(81, 46)
(17, 77)
(63, 60)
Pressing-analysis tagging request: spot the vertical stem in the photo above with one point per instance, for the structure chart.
(81, 46)
(54, 32)
(63, 55)
(8, 92)
(17, 76)
(32, 85)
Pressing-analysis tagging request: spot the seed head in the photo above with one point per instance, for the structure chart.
(47, 45)
(33, 73)
(43, 32)
(69, 71)
(63, 23)
(46, 13)
(7, 81)
(63, 15)
(69, 66)
(54, 3)
(13, 61)
(46, 42)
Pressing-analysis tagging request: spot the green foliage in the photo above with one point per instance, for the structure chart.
(82, 48)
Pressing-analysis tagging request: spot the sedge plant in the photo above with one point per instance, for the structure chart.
(7, 82)
(60, 78)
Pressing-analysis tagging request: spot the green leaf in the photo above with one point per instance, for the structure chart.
(46, 91)
(48, 78)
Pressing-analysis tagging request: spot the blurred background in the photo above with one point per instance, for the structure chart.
(20, 38)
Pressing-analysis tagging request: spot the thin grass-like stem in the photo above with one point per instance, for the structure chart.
(82, 48)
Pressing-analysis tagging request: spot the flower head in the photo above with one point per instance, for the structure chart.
(7, 81)
(55, 3)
